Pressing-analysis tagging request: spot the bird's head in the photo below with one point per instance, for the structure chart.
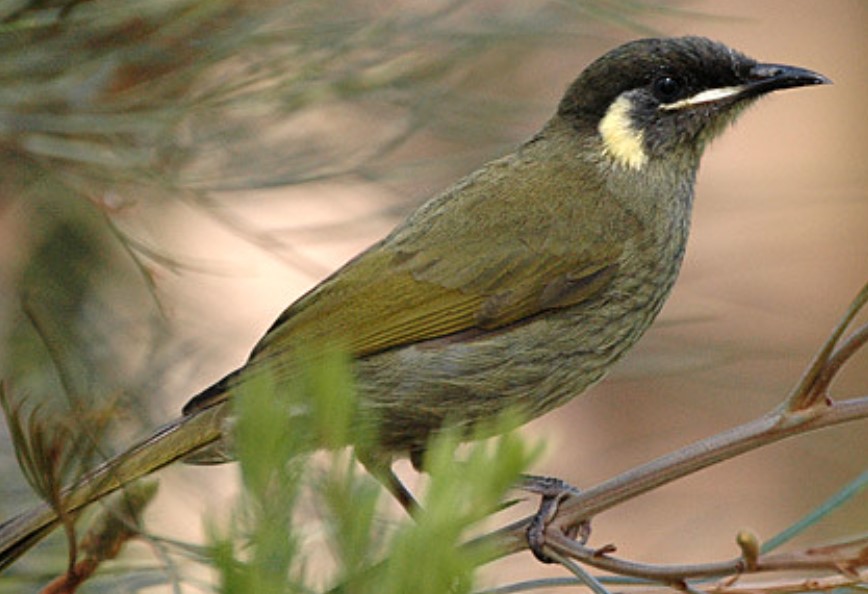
(656, 99)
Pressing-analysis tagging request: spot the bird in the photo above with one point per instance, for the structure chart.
(517, 288)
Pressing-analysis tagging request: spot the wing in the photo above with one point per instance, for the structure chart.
(371, 307)
(509, 242)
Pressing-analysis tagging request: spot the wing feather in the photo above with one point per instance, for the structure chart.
(490, 261)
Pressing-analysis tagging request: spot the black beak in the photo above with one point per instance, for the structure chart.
(765, 78)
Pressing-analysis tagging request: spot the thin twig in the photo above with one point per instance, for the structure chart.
(799, 398)
(577, 570)
(836, 361)
(796, 585)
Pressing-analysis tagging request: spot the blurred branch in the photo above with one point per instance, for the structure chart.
(51, 450)
(117, 522)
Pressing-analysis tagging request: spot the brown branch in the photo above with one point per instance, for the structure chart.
(797, 585)
(707, 452)
(846, 558)
(118, 522)
(687, 460)
(846, 562)
(793, 586)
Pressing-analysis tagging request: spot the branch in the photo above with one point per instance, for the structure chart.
(817, 376)
(789, 586)
(689, 459)
(848, 561)
(845, 558)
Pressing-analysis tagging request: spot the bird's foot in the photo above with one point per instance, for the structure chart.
(553, 492)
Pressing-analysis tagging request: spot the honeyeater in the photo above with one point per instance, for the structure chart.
(516, 288)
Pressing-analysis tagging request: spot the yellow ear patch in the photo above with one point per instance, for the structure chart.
(621, 141)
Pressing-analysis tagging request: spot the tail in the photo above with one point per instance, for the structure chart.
(169, 443)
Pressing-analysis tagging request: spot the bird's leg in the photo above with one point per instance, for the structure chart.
(380, 468)
(393, 484)
(553, 492)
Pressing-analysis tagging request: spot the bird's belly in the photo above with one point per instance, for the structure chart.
(531, 368)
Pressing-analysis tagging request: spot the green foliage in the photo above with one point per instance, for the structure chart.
(270, 453)
(263, 548)
(426, 557)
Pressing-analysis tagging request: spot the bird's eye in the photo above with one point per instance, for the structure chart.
(667, 88)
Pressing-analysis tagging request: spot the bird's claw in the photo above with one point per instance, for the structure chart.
(553, 492)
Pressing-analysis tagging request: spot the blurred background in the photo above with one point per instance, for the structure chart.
(178, 175)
